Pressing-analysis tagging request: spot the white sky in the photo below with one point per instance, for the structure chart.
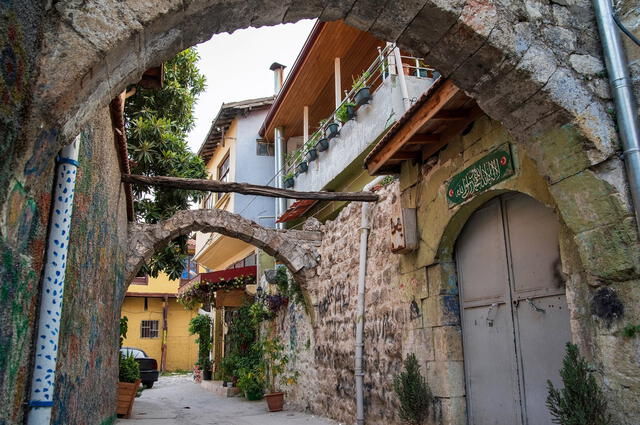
(237, 68)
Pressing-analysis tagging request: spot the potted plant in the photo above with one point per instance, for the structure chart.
(275, 363)
(363, 92)
(288, 180)
(303, 167)
(346, 112)
(331, 130)
(322, 144)
(206, 365)
(251, 382)
(128, 384)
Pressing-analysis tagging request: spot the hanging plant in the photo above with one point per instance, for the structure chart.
(202, 291)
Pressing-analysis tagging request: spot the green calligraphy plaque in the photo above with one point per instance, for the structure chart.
(492, 169)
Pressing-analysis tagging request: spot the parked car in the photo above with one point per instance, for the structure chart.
(148, 366)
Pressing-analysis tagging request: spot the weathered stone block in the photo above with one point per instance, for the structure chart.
(414, 284)
(409, 174)
(453, 410)
(446, 378)
(586, 202)
(559, 152)
(447, 342)
(442, 279)
(611, 251)
(441, 310)
(420, 343)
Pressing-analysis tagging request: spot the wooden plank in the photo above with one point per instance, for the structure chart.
(427, 111)
(245, 188)
(425, 138)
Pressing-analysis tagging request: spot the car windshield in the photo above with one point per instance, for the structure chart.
(136, 353)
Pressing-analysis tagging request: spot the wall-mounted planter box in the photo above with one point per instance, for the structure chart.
(288, 183)
(303, 167)
(312, 155)
(126, 396)
(362, 96)
(322, 145)
(332, 130)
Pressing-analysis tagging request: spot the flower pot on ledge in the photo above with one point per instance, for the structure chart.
(275, 401)
(126, 395)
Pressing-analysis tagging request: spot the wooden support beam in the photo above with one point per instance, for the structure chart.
(451, 115)
(427, 111)
(453, 129)
(406, 155)
(245, 189)
(422, 139)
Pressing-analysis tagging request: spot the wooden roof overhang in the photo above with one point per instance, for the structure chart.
(221, 123)
(311, 79)
(440, 114)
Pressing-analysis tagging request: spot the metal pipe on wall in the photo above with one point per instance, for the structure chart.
(360, 307)
(621, 88)
(401, 79)
(280, 152)
(48, 332)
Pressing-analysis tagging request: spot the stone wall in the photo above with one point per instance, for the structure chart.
(23, 212)
(94, 283)
(324, 351)
(412, 299)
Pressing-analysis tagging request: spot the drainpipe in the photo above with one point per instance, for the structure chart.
(280, 153)
(626, 111)
(362, 274)
(279, 146)
(43, 377)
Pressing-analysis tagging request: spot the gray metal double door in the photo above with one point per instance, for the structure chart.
(515, 321)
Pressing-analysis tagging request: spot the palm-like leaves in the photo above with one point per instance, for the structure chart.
(157, 124)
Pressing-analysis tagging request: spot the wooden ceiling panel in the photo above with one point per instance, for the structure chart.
(312, 84)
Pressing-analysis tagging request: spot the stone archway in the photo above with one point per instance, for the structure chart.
(296, 249)
(508, 58)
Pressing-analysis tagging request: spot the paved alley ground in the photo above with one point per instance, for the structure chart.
(178, 400)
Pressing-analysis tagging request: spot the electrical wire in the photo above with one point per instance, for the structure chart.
(624, 29)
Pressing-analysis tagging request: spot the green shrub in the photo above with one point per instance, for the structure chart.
(413, 392)
(251, 382)
(581, 401)
(129, 369)
(201, 326)
(124, 327)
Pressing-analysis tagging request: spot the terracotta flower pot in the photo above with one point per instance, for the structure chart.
(126, 395)
(275, 401)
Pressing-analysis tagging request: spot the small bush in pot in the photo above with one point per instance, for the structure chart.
(201, 326)
(332, 130)
(346, 112)
(322, 145)
(128, 383)
(275, 363)
(362, 91)
(288, 180)
(303, 167)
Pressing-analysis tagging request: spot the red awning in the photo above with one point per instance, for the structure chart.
(222, 275)
(296, 210)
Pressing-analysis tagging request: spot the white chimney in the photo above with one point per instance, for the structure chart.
(278, 76)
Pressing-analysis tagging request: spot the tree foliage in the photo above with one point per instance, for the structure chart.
(157, 122)
(413, 392)
(581, 401)
(201, 325)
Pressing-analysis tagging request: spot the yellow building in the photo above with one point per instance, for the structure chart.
(158, 323)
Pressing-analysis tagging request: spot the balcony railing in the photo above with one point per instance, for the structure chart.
(364, 87)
